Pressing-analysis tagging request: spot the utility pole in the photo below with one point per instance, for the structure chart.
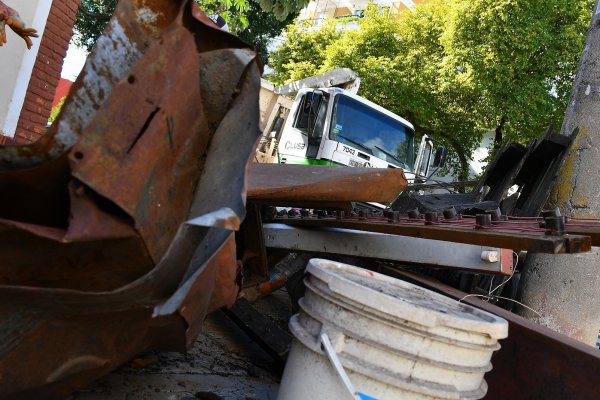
(565, 289)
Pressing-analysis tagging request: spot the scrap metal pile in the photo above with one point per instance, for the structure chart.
(526, 172)
(116, 228)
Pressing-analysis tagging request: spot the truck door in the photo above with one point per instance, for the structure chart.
(301, 139)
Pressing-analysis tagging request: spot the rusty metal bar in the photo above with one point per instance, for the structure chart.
(534, 361)
(516, 240)
(592, 231)
(251, 240)
(282, 184)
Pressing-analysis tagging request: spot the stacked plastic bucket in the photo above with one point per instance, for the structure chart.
(392, 339)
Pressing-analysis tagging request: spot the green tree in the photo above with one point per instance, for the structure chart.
(54, 113)
(523, 56)
(263, 27)
(455, 69)
(303, 53)
(93, 15)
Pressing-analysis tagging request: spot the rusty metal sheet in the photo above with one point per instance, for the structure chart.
(282, 184)
(141, 138)
(116, 231)
(534, 362)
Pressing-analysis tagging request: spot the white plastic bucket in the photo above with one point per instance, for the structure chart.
(395, 340)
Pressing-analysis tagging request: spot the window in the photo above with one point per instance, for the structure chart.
(310, 117)
(361, 126)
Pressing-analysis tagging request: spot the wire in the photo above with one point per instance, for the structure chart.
(513, 222)
(501, 285)
(492, 296)
(503, 298)
(510, 228)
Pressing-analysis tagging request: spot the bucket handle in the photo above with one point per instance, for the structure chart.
(339, 368)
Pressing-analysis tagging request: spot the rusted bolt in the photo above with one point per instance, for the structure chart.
(414, 214)
(450, 213)
(495, 214)
(483, 220)
(431, 217)
(556, 225)
(364, 214)
(392, 216)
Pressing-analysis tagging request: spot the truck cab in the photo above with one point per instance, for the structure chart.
(332, 126)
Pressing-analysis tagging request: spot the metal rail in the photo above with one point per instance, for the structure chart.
(404, 249)
(528, 240)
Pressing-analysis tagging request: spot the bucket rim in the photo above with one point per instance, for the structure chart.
(449, 312)
(308, 310)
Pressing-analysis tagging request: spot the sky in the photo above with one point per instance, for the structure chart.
(73, 62)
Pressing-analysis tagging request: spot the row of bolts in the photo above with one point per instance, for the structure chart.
(553, 221)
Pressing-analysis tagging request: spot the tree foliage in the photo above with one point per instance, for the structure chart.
(55, 112)
(92, 17)
(256, 19)
(263, 27)
(455, 69)
(303, 53)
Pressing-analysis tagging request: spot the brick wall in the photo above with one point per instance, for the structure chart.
(46, 72)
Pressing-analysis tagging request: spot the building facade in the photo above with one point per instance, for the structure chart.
(319, 10)
(29, 77)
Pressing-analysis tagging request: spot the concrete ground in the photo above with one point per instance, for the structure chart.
(224, 364)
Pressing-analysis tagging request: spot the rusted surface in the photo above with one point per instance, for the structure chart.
(116, 228)
(591, 230)
(282, 184)
(516, 240)
(534, 362)
(252, 244)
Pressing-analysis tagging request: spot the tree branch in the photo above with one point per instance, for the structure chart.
(498, 133)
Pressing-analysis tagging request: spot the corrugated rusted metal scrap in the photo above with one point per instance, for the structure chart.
(116, 228)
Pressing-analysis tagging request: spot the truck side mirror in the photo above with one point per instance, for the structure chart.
(439, 160)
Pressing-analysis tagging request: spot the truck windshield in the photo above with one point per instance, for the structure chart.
(385, 137)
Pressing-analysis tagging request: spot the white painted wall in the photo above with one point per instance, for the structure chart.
(16, 62)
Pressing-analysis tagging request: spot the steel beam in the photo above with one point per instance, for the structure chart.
(516, 240)
(404, 249)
